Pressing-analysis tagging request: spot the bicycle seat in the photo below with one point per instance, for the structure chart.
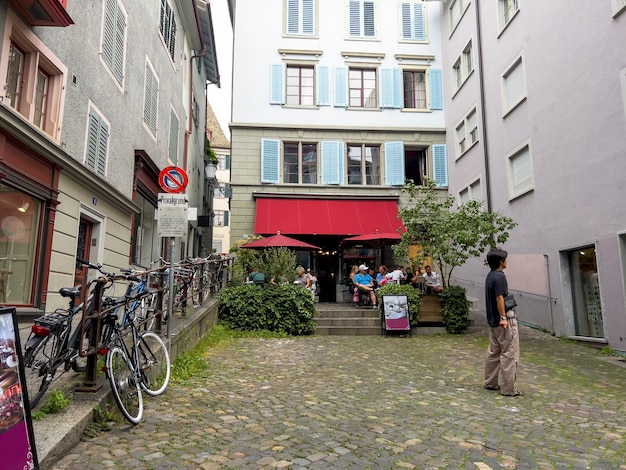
(72, 292)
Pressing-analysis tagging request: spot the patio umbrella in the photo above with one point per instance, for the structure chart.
(279, 240)
(376, 240)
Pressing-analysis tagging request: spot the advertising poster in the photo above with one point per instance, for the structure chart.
(396, 312)
(16, 431)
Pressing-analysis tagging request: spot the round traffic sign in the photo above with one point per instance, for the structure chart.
(173, 179)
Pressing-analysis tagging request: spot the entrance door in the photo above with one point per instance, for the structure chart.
(82, 251)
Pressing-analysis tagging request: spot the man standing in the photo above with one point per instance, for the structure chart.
(503, 351)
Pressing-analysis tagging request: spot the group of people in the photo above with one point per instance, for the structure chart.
(366, 282)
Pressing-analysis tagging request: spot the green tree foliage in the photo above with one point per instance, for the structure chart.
(285, 309)
(449, 236)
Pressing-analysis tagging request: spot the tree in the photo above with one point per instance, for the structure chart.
(449, 236)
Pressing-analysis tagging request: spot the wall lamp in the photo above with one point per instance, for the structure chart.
(24, 207)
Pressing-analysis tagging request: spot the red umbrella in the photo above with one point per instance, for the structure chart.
(376, 240)
(279, 240)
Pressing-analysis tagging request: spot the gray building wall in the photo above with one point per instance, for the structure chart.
(572, 118)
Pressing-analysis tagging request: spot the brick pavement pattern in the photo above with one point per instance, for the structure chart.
(369, 402)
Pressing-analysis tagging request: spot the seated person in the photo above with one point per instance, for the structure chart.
(365, 284)
(432, 283)
(255, 277)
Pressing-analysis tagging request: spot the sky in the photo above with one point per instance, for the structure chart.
(219, 98)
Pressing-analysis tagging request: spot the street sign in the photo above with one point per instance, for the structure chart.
(172, 217)
(173, 179)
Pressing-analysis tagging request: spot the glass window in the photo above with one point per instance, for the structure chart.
(300, 162)
(514, 84)
(14, 75)
(414, 89)
(363, 88)
(363, 164)
(19, 231)
(41, 98)
(520, 170)
(300, 85)
(586, 292)
(167, 27)
(362, 19)
(147, 242)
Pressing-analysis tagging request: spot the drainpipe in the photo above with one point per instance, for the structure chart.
(481, 80)
(196, 56)
(549, 294)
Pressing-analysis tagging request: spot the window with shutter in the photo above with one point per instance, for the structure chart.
(114, 39)
(333, 162)
(270, 154)
(440, 164)
(97, 143)
(514, 85)
(361, 19)
(436, 89)
(167, 27)
(300, 17)
(394, 163)
(151, 100)
(520, 172)
(413, 23)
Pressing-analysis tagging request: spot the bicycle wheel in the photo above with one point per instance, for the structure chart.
(125, 387)
(154, 363)
(37, 364)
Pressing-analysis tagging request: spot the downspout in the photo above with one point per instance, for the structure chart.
(481, 81)
(196, 56)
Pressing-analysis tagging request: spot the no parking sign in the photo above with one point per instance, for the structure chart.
(173, 179)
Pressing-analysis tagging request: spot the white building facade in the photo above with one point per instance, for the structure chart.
(335, 104)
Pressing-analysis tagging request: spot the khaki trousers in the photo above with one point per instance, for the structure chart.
(502, 358)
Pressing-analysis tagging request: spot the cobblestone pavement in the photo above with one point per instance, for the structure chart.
(369, 402)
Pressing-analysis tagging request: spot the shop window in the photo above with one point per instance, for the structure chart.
(19, 231)
(586, 292)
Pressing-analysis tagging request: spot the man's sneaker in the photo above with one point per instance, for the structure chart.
(491, 387)
(516, 393)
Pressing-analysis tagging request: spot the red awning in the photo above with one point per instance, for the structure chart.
(325, 217)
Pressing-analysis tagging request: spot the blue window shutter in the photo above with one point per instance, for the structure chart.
(355, 18)
(440, 164)
(225, 218)
(386, 88)
(333, 162)
(293, 17)
(227, 162)
(276, 84)
(270, 152)
(308, 17)
(394, 163)
(436, 90)
(323, 86)
(398, 89)
(369, 28)
(341, 87)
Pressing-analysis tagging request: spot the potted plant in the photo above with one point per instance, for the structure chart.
(211, 160)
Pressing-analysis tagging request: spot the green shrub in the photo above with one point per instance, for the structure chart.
(279, 308)
(413, 296)
(455, 310)
(275, 263)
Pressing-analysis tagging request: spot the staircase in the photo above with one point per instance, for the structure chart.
(346, 319)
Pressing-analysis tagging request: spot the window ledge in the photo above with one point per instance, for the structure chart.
(43, 12)
(285, 52)
(366, 55)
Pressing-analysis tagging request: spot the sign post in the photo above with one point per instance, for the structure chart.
(172, 222)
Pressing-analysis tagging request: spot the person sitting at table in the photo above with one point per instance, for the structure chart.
(365, 284)
(432, 282)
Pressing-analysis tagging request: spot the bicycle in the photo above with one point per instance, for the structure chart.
(135, 360)
(52, 342)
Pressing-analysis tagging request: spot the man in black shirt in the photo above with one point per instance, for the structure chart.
(503, 352)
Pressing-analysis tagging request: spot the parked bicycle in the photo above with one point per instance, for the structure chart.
(55, 341)
(136, 361)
